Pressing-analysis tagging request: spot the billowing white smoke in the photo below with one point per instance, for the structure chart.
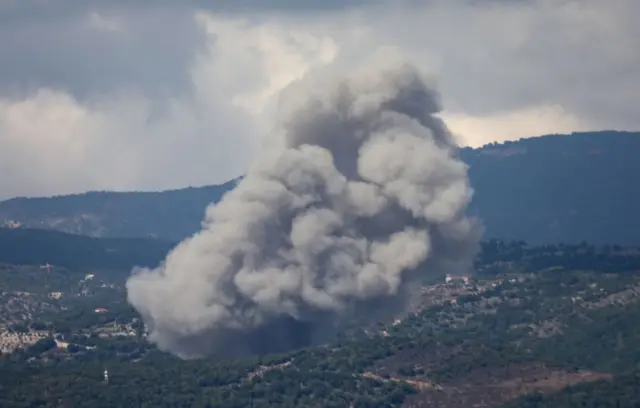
(363, 196)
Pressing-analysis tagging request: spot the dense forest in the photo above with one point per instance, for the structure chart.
(548, 189)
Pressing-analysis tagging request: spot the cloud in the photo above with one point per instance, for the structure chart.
(150, 95)
(477, 131)
(99, 52)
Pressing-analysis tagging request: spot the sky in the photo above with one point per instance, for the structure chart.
(164, 94)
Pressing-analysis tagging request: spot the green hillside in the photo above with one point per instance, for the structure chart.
(535, 328)
(560, 188)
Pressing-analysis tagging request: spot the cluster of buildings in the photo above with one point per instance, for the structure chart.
(450, 279)
(11, 341)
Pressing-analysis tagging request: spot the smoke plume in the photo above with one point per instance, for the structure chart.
(360, 198)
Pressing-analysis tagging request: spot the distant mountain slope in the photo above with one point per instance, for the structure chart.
(560, 188)
(556, 188)
(170, 215)
(32, 247)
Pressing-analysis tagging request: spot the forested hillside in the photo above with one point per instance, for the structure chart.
(32, 246)
(549, 189)
(559, 188)
(170, 215)
(536, 327)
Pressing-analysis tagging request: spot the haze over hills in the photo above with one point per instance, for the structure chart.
(554, 188)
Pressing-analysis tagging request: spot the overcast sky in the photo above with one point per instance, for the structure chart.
(164, 94)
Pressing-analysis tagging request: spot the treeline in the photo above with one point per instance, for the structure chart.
(35, 246)
(496, 256)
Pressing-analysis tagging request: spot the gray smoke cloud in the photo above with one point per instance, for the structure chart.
(339, 218)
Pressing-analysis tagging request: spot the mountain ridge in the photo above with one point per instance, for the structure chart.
(546, 189)
(106, 214)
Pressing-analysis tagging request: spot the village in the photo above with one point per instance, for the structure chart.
(27, 316)
(21, 310)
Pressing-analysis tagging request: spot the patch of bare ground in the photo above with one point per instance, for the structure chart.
(543, 329)
(490, 387)
(615, 299)
(261, 370)
(420, 385)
